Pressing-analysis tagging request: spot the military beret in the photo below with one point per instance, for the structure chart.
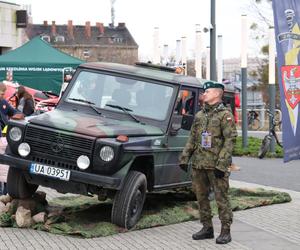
(213, 85)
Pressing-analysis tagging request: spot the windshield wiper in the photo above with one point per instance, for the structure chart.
(125, 110)
(91, 104)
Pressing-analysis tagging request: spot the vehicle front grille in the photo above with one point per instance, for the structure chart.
(63, 148)
(59, 164)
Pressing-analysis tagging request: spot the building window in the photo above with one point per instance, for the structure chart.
(46, 38)
(86, 53)
(59, 39)
(117, 39)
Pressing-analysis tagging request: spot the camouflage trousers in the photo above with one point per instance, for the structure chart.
(202, 181)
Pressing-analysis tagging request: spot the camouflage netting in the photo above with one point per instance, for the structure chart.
(87, 217)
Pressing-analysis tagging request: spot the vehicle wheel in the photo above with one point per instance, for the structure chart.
(128, 202)
(265, 145)
(17, 186)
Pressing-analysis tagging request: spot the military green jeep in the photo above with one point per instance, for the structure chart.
(117, 132)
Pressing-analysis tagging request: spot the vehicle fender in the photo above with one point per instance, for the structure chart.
(141, 163)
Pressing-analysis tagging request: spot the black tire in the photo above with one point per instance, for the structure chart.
(128, 202)
(265, 145)
(17, 186)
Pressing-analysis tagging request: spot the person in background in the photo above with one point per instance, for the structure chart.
(67, 79)
(90, 89)
(25, 102)
(185, 102)
(237, 102)
(6, 110)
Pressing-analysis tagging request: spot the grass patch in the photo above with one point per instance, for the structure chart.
(87, 217)
(253, 148)
(5, 220)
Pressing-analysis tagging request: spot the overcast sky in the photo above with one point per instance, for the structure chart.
(173, 17)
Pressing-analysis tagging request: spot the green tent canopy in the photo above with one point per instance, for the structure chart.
(37, 64)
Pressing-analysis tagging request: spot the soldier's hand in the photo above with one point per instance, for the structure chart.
(184, 167)
(218, 173)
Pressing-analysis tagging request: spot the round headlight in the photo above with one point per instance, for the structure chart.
(24, 149)
(107, 153)
(15, 134)
(83, 162)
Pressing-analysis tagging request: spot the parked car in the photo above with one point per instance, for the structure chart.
(46, 105)
(49, 98)
(116, 132)
(45, 101)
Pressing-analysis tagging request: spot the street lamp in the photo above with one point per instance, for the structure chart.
(244, 39)
(272, 90)
(198, 52)
(213, 74)
(156, 53)
(184, 54)
(220, 58)
(207, 63)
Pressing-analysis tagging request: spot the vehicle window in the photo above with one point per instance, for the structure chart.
(200, 100)
(142, 98)
(185, 102)
(88, 87)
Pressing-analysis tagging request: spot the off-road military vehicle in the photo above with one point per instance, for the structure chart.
(117, 131)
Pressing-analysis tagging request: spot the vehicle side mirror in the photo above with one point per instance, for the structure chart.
(187, 121)
(175, 124)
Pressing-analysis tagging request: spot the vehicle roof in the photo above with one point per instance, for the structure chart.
(149, 73)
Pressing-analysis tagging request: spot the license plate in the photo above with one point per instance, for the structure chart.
(50, 171)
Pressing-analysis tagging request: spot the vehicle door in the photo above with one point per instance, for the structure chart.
(187, 105)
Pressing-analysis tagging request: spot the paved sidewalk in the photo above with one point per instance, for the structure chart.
(269, 227)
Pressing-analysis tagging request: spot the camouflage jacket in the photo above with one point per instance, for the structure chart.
(219, 121)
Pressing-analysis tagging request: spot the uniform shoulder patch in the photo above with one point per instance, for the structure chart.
(228, 117)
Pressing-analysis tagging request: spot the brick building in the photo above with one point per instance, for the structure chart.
(87, 42)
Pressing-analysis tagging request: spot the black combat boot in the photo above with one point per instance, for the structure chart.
(207, 232)
(224, 236)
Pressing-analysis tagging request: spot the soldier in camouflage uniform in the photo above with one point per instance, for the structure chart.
(210, 147)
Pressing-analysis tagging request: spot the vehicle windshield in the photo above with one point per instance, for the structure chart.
(141, 98)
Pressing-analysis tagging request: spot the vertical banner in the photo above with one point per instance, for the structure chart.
(287, 31)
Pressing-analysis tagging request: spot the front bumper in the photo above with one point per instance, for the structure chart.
(76, 176)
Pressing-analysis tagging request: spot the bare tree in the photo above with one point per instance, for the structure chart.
(261, 11)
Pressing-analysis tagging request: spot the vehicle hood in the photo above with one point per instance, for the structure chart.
(98, 126)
